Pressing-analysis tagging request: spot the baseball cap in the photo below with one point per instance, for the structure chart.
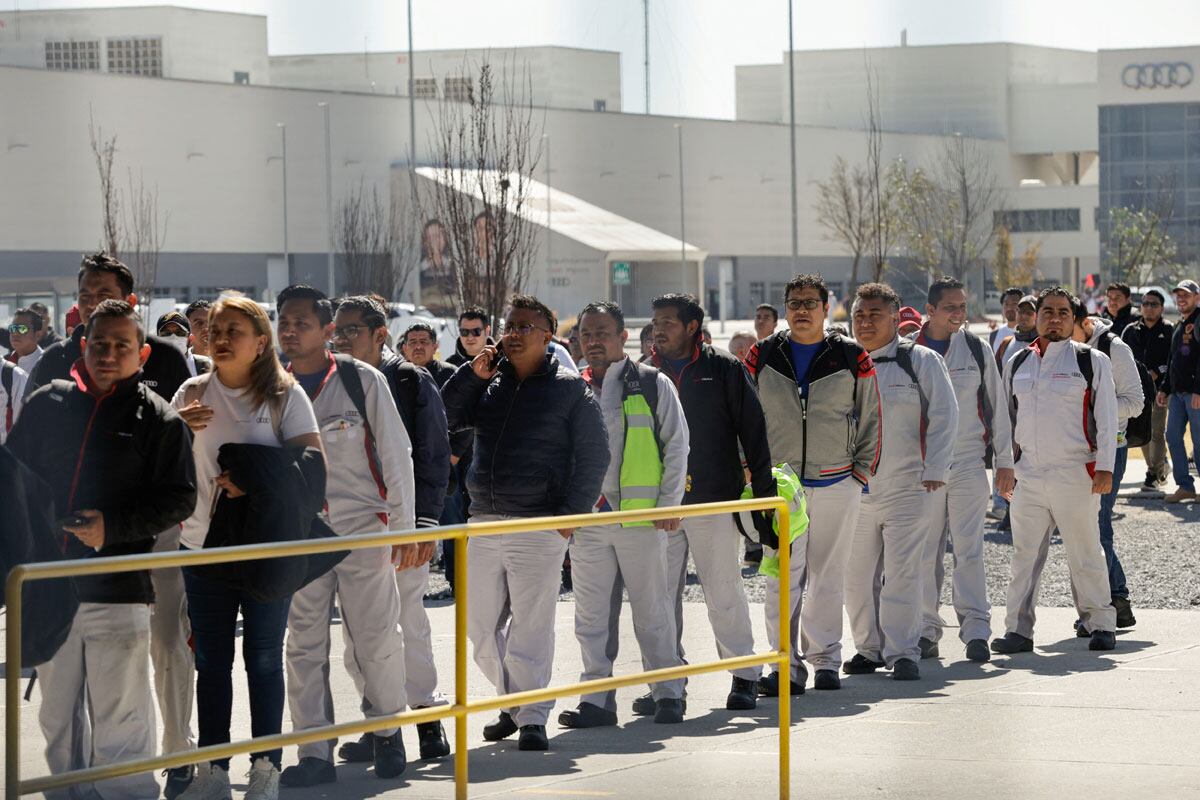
(1030, 299)
(172, 318)
(1187, 286)
(910, 314)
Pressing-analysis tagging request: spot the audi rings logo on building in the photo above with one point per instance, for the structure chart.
(1157, 76)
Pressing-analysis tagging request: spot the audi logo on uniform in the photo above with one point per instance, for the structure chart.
(1157, 76)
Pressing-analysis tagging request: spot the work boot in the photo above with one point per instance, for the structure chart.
(1125, 618)
(390, 759)
(502, 728)
(743, 695)
(431, 737)
(861, 665)
(668, 711)
(587, 715)
(929, 648)
(1103, 640)
(1012, 642)
(905, 669)
(311, 771)
(1180, 496)
(827, 679)
(1081, 632)
(977, 651)
(645, 706)
(361, 751)
(769, 686)
(178, 780)
(533, 737)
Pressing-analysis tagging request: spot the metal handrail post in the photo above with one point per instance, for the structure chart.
(461, 779)
(12, 682)
(785, 647)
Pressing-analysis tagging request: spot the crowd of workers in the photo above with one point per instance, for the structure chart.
(216, 428)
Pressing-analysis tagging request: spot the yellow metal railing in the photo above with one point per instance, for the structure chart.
(461, 708)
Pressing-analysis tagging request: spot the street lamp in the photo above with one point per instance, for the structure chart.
(549, 260)
(792, 139)
(283, 157)
(328, 198)
(682, 228)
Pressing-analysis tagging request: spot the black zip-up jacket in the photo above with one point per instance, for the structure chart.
(540, 444)
(1152, 347)
(1183, 373)
(1124, 318)
(722, 408)
(420, 405)
(127, 454)
(460, 356)
(164, 371)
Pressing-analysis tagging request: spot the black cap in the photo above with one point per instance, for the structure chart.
(172, 318)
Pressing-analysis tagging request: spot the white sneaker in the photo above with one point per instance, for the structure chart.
(210, 783)
(264, 780)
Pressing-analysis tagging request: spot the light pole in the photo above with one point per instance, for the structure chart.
(412, 141)
(682, 228)
(549, 231)
(646, 48)
(283, 139)
(792, 140)
(328, 198)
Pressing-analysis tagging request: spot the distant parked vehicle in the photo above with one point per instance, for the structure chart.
(401, 315)
(1170, 309)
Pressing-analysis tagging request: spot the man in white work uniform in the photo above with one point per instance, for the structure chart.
(648, 456)
(984, 438)
(885, 574)
(1063, 403)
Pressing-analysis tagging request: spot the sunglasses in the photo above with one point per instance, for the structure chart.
(20, 329)
(470, 331)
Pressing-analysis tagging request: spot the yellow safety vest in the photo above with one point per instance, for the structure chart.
(788, 487)
(641, 460)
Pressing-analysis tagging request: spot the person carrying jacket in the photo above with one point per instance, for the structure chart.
(885, 574)
(360, 330)
(540, 449)
(1064, 446)
(1180, 393)
(132, 477)
(821, 400)
(957, 513)
(1150, 340)
(1097, 332)
(647, 467)
(722, 411)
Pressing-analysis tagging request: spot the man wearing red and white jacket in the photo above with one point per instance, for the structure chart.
(1064, 441)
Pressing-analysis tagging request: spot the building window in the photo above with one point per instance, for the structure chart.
(600, 105)
(1038, 220)
(73, 56)
(241, 78)
(758, 293)
(459, 89)
(136, 56)
(426, 88)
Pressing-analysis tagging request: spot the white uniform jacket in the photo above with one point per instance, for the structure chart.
(915, 450)
(1130, 399)
(1051, 430)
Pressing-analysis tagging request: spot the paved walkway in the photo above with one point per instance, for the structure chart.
(1059, 722)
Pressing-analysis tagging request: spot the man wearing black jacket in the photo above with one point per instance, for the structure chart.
(1181, 393)
(540, 449)
(1119, 308)
(722, 410)
(1149, 337)
(133, 477)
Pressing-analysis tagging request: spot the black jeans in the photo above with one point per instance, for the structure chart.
(213, 611)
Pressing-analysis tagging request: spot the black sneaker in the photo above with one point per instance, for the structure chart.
(533, 737)
(905, 669)
(752, 558)
(431, 737)
(587, 715)
(357, 752)
(827, 679)
(743, 695)
(502, 728)
(1103, 640)
(390, 759)
(1125, 618)
(310, 771)
(861, 665)
(768, 686)
(645, 706)
(929, 648)
(977, 651)
(1012, 642)
(178, 779)
(668, 711)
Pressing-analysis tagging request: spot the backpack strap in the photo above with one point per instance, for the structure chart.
(903, 359)
(975, 345)
(352, 383)
(7, 372)
(1083, 358)
(1017, 361)
(643, 379)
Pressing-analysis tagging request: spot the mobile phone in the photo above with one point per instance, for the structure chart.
(72, 521)
(494, 361)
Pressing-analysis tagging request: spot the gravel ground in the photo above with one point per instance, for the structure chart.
(1159, 548)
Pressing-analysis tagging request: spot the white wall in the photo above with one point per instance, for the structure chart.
(758, 87)
(1054, 119)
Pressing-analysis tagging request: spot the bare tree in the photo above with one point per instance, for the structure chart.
(968, 192)
(843, 208)
(104, 150)
(487, 146)
(375, 240)
(921, 216)
(1019, 271)
(1138, 245)
(146, 230)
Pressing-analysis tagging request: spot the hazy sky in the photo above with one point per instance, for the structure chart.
(694, 44)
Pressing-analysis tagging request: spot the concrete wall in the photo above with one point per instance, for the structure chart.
(758, 90)
(1053, 119)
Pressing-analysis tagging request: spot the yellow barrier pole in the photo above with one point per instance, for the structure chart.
(785, 647)
(460, 666)
(12, 683)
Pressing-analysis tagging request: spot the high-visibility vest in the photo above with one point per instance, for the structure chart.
(641, 458)
(788, 487)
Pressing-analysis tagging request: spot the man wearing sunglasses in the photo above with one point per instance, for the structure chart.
(540, 450)
(14, 381)
(23, 334)
(474, 333)
(1149, 337)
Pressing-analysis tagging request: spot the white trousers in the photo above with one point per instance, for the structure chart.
(174, 664)
(420, 672)
(1062, 498)
(715, 546)
(957, 511)
(97, 707)
(512, 593)
(366, 594)
(602, 559)
(818, 565)
(884, 577)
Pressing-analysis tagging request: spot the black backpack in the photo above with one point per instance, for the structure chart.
(642, 379)
(1137, 430)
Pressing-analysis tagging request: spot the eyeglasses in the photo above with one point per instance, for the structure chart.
(470, 331)
(522, 330)
(348, 332)
(19, 329)
(1151, 305)
(808, 304)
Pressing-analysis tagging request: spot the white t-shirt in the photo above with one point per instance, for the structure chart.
(234, 421)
